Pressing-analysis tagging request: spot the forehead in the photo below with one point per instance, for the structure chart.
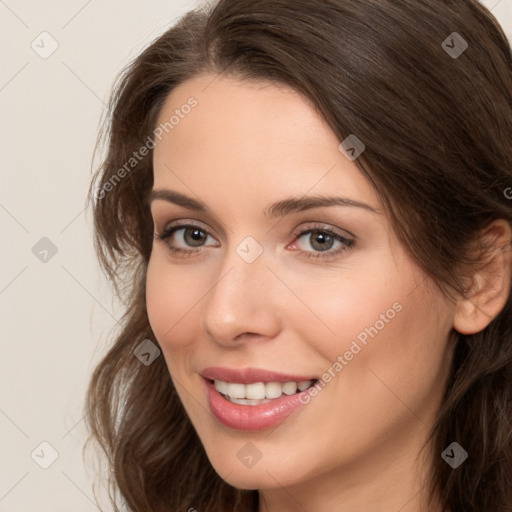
(243, 112)
(228, 91)
(252, 136)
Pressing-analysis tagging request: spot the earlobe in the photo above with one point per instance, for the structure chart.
(490, 285)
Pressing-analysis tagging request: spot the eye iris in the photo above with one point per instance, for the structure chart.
(196, 235)
(324, 239)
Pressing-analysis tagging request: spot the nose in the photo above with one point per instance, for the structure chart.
(243, 302)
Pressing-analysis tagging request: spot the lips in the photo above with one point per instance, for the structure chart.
(232, 402)
(251, 375)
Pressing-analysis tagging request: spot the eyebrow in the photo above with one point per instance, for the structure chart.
(277, 209)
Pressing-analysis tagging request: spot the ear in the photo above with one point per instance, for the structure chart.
(490, 283)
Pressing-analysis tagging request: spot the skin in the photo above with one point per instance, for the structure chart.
(357, 444)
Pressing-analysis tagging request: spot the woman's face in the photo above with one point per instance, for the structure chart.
(272, 281)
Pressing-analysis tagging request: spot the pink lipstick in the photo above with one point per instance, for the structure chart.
(252, 398)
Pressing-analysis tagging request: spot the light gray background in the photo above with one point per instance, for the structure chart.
(56, 315)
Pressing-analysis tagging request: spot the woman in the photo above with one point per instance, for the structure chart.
(304, 206)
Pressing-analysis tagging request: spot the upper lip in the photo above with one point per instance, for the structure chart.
(250, 375)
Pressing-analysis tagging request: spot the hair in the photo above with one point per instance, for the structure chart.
(437, 131)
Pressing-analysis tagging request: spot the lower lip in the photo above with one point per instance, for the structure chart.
(252, 417)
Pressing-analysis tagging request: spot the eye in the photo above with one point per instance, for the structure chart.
(187, 235)
(192, 239)
(322, 240)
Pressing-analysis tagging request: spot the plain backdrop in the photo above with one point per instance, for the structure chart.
(59, 61)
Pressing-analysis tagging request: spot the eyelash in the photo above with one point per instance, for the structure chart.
(347, 243)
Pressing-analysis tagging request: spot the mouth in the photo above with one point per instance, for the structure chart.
(259, 393)
(254, 399)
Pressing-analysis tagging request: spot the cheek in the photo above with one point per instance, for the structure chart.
(387, 321)
(394, 353)
(170, 301)
(353, 306)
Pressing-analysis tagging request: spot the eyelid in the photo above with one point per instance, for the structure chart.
(170, 229)
(308, 225)
(321, 226)
(184, 223)
(302, 231)
(346, 243)
(160, 213)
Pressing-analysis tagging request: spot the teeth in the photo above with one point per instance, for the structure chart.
(273, 390)
(255, 391)
(236, 390)
(305, 384)
(242, 401)
(290, 388)
(221, 387)
(259, 392)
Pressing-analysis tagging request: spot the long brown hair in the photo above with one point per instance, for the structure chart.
(437, 127)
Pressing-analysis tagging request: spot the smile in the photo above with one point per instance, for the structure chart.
(259, 392)
(253, 399)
